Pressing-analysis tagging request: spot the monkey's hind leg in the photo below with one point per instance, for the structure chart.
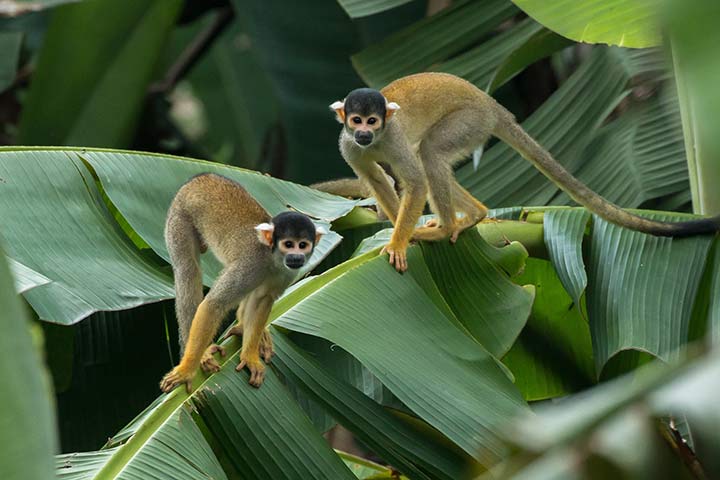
(184, 246)
(475, 211)
(450, 139)
(255, 317)
(266, 344)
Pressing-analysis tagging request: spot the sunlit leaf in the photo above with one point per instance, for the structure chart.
(626, 23)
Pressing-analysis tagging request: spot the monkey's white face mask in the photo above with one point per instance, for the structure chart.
(291, 251)
(365, 128)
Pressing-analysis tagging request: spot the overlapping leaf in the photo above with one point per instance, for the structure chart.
(71, 239)
(641, 290)
(67, 235)
(553, 356)
(27, 418)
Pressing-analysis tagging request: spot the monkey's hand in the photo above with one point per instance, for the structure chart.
(208, 362)
(255, 365)
(175, 377)
(397, 256)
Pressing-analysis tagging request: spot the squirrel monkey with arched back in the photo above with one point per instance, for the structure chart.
(261, 256)
(421, 125)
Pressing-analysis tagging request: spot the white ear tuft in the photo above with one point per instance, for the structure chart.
(337, 105)
(321, 231)
(266, 227)
(392, 106)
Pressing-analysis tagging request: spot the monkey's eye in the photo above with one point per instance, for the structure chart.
(302, 245)
(356, 120)
(288, 244)
(372, 121)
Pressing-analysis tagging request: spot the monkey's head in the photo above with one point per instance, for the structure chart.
(292, 238)
(364, 113)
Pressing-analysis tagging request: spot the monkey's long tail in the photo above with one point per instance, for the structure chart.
(509, 131)
(345, 187)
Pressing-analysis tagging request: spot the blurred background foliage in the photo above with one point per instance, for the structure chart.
(247, 84)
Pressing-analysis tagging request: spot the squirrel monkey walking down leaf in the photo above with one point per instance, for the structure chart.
(260, 255)
(420, 126)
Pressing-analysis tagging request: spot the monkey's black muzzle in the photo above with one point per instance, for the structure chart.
(294, 260)
(363, 138)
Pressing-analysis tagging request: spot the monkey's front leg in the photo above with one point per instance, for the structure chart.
(266, 343)
(411, 207)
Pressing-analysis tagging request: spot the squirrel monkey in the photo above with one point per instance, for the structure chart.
(260, 255)
(421, 125)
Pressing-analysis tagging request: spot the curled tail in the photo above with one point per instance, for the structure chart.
(509, 131)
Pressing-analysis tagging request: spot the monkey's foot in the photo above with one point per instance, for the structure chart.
(266, 344)
(398, 256)
(208, 362)
(256, 368)
(431, 223)
(431, 233)
(176, 377)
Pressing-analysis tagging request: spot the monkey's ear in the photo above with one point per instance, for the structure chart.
(390, 109)
(319, 232)
(265, 233)
(339, 108)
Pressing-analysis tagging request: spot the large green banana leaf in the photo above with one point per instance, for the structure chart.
(433, 347)
(27, 419)
(68, 235)
(641, 290)
(403, 328)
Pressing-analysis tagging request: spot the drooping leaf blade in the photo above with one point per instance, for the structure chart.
(383, 432)
(68, 236)
(641, 290)
(623, 23)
